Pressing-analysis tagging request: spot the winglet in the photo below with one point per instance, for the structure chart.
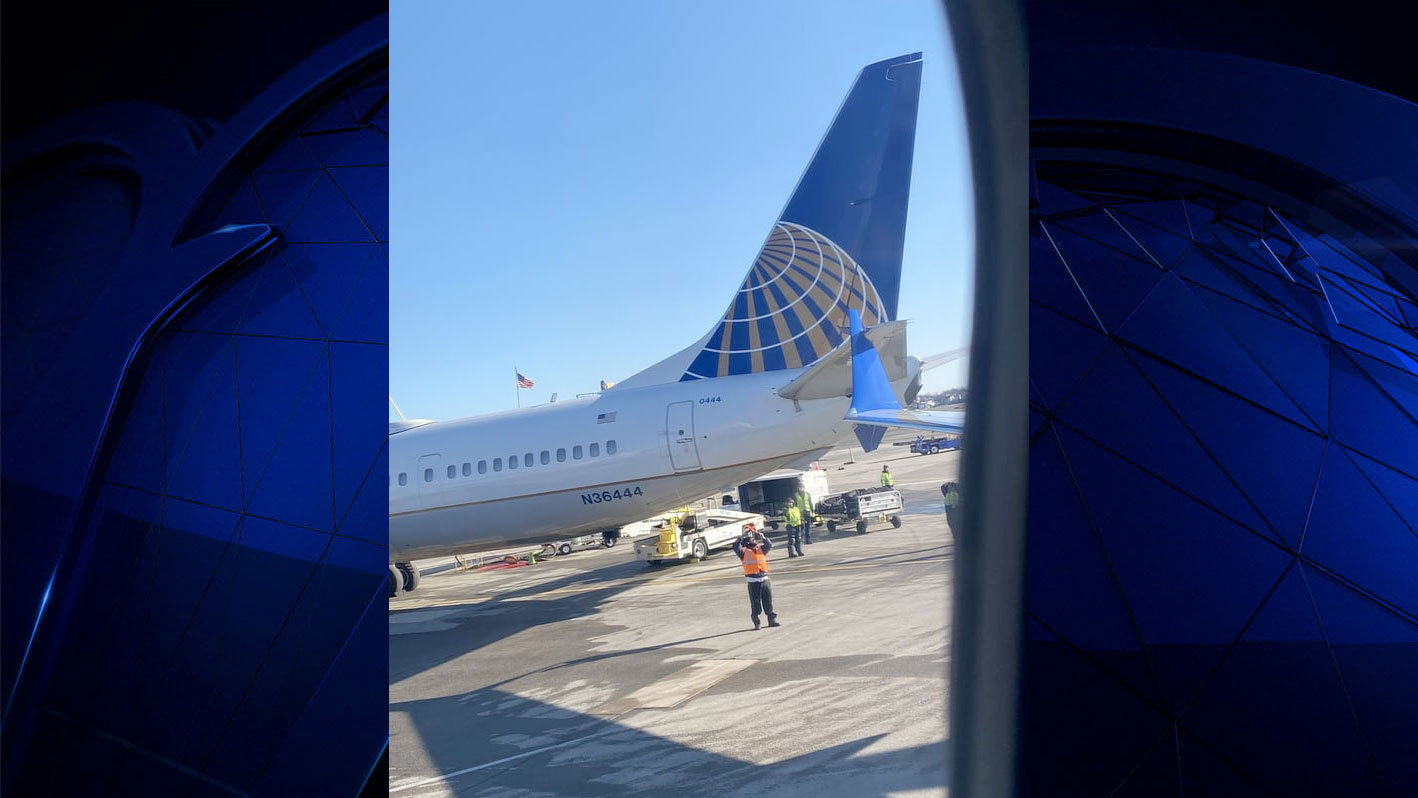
(870, 388)
(874, 406)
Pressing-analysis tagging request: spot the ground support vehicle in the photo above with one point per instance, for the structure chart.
(860, 506)
(694, 535)
(570, 545)
(933, 444)
(770, 495)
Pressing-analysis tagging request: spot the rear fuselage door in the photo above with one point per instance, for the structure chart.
(679, 429)
(430, 471)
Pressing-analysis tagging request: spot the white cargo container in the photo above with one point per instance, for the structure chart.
(770, 494)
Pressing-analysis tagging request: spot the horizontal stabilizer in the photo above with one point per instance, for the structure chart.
(832, 376)
(944, 357)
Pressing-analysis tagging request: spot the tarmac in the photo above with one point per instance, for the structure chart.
(594, 674)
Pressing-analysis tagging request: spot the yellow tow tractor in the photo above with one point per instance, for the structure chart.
(693, 535)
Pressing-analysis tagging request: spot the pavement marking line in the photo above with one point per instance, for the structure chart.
(676, 688)
(502, 761)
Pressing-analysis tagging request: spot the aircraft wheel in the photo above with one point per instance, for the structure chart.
(896, 521)
(701, 549)
(396, 582)
(861, 527)
(410, 574)
(564, 548)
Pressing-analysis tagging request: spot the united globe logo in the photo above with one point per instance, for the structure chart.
(791, 309)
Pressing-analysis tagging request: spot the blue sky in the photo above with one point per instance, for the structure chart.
(550, 159)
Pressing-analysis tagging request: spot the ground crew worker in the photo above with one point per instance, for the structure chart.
(804, 502)
(794, 517)
(952, 505)
(752, 548)
(886, 479)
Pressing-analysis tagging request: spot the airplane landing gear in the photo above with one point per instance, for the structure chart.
(403, 579)
(396, 582)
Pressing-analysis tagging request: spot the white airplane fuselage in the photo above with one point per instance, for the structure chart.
(673, 443)
(655, 442)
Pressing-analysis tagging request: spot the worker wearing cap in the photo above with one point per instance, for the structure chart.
(752, 548)
(886, 479)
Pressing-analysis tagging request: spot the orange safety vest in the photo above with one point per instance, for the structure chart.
(755, 562)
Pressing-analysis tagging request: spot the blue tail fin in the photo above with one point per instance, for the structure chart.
(837, 244)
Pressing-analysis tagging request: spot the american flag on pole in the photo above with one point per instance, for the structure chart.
(523, 382)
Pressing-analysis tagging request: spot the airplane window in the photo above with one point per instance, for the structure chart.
(546, 457)
(561, 455)
(404, 478)
(512, 461)
(482, 466)
(576, 453)
(595, 450)
(467, 469)
(527, 459)
(428, 475)
(610, 447)
(452, 471)
(497, 464)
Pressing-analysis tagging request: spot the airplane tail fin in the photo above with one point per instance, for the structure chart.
(837, 244)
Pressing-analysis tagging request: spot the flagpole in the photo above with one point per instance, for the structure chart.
(517, 385)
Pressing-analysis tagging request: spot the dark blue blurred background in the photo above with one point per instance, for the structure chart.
(195, 266)
(1223, 509)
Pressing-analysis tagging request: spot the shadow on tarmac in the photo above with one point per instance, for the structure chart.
(611, 759)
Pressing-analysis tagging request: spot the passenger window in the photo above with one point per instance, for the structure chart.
(595, 450)
(404, 478)
(576, 452)
(527, 459)
(497, 464)
(546, 457)
(452, 471)
(482, 466)
(467, 469)
(512, 461)
(428, 475)
(610, 447)
(561, 455)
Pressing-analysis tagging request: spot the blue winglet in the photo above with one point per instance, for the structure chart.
(870, 388)
(874, 406)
